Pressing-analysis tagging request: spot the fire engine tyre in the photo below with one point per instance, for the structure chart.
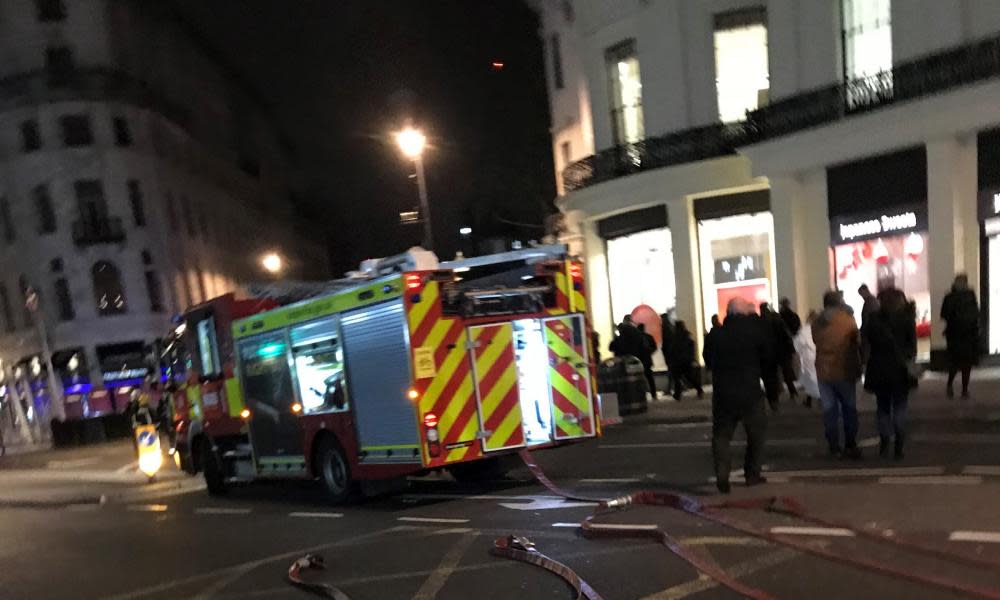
(480, 471)
(215, 478)
(334, 472)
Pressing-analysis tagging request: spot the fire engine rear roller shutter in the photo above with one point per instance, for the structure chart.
(378, 377)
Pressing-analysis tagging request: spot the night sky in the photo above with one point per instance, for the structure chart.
(340, 76)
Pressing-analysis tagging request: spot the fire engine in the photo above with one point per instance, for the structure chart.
(408, 367)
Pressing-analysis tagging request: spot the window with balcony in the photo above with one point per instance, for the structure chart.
(59, 65)
(626, 92)
(8, 314)
(867, 37)
(108, 292)
(50, 10)
(43, 209)
(76, 130)
(741, 64)
(31, 137)
(136, 202)
(64, 300)
(123, 135)
(6, 223)
(557, 67)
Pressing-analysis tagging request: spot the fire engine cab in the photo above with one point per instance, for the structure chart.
(406, 367)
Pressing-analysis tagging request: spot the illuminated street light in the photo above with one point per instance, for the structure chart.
(465, 230)
(272, 262)
(412, 143)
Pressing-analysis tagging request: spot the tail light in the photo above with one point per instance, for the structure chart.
(413, 282)
(576, 274)
(432, 435)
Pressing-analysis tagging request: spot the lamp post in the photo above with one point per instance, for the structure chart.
(411, 143)
(272, 263)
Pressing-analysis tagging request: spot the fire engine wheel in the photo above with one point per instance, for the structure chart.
(215, 478)
(479, 471)
(334, 472)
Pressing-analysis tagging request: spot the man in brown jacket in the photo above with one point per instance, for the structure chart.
(838, 367)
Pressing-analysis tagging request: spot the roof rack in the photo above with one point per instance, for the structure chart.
(529, 255)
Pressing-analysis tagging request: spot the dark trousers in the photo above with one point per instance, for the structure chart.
(724, 420)
(688, 373)
(773, 378)
(650, 381)
(788, 373)
(966, 373)
(891, 410)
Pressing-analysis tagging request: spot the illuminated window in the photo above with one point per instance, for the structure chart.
(867, 37)
(208, 348)
(319, 366)
(626, 92)
(741, 69)
(108, 291)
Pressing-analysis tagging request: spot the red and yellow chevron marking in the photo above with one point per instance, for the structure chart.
(569, 374)
(449, 393)
(496, 375)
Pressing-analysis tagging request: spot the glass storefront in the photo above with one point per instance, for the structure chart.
(992, 229)
(737, 261)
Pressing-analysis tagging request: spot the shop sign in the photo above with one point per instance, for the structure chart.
(853, 228)
(734, 269)
(124, 374)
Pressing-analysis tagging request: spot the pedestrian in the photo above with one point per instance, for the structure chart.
(838, 367)
(647, 346)
(891, 336)
(708, 341)
(595, 346)
(737, 357)
(666, 343)
(792, 321)
(806, 351)
(626, 343)
(782, 352)
(870, 306)
(682, 355)
(960, 310)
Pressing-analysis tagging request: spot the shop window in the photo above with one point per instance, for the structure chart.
(626, 93)
(737, 261)
(135, 200)
(31, 137)
(51, 10)
(64, 300)
(154, 291)
(8, 315)
(6, 223)
(319, 366)
(123, 136)
(43, 209)
(59, 65)
(76, 130)
(108, 291)
(741, 64)
(557, 66)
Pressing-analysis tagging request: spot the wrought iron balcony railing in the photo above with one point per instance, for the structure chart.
(924, 76)
(107, 230)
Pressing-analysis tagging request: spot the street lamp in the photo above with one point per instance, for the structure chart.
(412, 143)
(272, 262)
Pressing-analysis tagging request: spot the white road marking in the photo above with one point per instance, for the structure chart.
(433, 584)
(132, 466)
(545, 504)
(316, 515)
(430, 520)
(743, 569)
(216, 510)
(990, 537)
(704, 444)
(147, 507)
(83, 507)
(933, 480)
(72, 464)
(453, 531)
(958, 438)
(723, 540)
(611, 480)
(820, 531)
(691, 425)
(567, 525)
(988, 470)
(624, 526)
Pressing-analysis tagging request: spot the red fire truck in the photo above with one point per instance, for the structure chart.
(413, 366)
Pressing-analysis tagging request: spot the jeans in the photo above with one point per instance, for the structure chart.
(891, 409)
(839, 399)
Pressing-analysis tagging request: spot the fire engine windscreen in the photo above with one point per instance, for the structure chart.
(531, 355)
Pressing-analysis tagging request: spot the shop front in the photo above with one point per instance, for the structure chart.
(640, 259)
(989, 218)
(736, 250)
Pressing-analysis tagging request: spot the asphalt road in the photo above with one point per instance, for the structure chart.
(432, 540)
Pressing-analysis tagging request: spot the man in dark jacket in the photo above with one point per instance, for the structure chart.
(961, 314)
(737, 357)
(782, 352)
(792, 321)
(646, 349)
(681, 361)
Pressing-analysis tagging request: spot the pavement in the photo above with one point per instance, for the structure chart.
(432, 539)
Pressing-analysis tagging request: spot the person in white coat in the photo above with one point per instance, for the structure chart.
(806, 349)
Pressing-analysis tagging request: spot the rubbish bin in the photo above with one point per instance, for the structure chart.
(624, 377)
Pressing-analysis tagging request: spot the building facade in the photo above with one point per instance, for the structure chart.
(138, 176)
(777, 148)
